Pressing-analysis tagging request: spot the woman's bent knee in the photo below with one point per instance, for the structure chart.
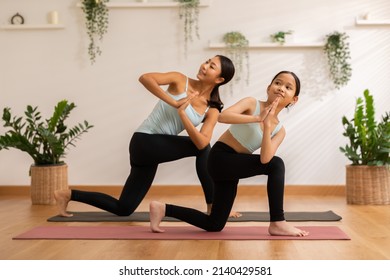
(216, 227)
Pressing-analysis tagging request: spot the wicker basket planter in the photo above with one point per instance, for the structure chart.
(368, 184)
(45, 179)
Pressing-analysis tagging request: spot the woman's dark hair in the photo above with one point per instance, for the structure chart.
(227, 72)
(297, 81)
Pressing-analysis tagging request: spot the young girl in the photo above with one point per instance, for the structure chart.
(183, 106)
(254, 125)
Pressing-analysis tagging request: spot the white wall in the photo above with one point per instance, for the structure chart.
(41, 67)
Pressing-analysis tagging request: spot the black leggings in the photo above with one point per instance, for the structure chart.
(147, 151)
(226, 167)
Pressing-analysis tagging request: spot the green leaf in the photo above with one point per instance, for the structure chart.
(45, 142)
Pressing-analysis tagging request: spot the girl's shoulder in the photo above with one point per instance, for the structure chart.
(246, 105)
(251, 102)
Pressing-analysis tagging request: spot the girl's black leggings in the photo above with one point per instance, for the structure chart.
(226, 167)
(147, 151)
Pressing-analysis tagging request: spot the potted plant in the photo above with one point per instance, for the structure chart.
(189, 13)
(338, 55)
(280, 37)
(96, 22)
(368, 177)
(46, 141)
(237, 48)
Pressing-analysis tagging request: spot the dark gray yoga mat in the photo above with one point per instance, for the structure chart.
(144, 217)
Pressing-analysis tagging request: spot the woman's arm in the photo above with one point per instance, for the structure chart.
(175, 81)
(202, 137)
(240, 112)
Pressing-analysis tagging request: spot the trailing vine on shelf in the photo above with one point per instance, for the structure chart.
(96, 22)
(189, 13)
(237, 49)
(338, 55)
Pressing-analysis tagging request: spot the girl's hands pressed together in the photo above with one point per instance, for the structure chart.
(269, 112)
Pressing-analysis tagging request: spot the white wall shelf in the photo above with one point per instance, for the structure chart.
(370, 22)
(272, 45)
(32, 26)
(134, 5)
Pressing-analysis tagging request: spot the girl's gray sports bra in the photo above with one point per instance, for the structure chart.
(164, 118)
(250, 135)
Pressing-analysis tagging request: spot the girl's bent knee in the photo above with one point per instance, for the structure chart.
(277, 163)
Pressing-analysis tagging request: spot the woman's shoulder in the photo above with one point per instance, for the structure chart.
(178, 83)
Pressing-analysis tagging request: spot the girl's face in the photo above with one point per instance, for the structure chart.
(283, 86)
(210, 71)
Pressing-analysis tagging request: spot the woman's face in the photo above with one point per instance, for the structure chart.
(283, 86)
(210, 71)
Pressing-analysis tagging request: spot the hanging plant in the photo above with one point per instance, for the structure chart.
(280, 37)
(338, 55)
(96, 22)
(189, 14)
(237, 48)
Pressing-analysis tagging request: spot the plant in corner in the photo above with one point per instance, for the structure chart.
(96, 22)
(237, 48)
(337, 52)
(189, 13)
(46, 141)
(368, 177)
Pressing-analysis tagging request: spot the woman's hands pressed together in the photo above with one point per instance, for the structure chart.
(183, 103)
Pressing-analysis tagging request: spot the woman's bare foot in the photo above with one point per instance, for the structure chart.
(234, 214)
(283, 228)
(62, 198)
(156, 212)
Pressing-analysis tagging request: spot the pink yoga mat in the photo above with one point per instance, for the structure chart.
(175, 233)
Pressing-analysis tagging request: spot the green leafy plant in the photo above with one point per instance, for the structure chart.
(45, 141)
(96, 22)
(338, 55)
(369, 141)
(237, 49)
(280, 37)
(189, 13)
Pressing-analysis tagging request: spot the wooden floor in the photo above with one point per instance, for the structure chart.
(368, 227)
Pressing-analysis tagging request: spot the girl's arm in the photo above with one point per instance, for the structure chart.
(240, 112)
(175, 81)
(269, 145)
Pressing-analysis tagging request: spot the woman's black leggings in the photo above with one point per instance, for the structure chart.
(226, 167)
(147, 151)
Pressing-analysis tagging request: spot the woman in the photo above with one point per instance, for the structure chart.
(254, 125)
(183, 106)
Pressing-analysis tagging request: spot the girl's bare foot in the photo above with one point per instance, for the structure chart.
(157, 212)
(62, 198)
(283, 228)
